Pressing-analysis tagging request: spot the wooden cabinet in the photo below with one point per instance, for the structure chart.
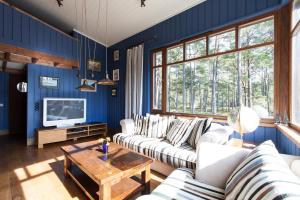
(51, 135)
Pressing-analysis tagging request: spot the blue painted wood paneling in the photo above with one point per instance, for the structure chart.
(96, 102)
(4, 77)
(19, 29)
(283, 144)
(202, 18)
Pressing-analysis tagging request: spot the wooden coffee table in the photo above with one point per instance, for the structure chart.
(113, 173)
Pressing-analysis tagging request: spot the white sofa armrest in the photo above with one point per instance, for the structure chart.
(127, 126)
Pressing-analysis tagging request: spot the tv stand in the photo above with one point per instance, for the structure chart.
(51, 135)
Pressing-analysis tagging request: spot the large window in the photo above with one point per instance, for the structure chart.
(295, 111)
(215, 73)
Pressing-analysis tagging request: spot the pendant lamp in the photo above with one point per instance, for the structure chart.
(84, 85)
(106, 81)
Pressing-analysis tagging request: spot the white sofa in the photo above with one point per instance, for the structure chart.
(215, 164)
(166, 156)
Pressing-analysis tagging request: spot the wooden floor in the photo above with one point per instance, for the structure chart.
(32, 173)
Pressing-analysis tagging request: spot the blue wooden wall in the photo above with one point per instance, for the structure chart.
(4, 100)
(96, 102)
(199, 19)
(202, 18)
(24, 31)
(283, 144)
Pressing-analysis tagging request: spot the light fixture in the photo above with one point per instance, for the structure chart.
(106, 81)
(84, 85)
(243, 120)
(59, 2)
(143, 3)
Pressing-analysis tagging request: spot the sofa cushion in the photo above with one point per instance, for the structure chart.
(200, 128)
(140, 124)
(180, 131)
(159, 149)
(159, 125)
(217, 134)
(210, 157)
(181, 185)
(263, 175)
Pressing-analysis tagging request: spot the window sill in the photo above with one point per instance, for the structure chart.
(291, 133)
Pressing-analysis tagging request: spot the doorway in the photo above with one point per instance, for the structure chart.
(17, 106)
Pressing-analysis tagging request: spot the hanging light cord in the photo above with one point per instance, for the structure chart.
(106, 36)
(85, 39)
(98, 18)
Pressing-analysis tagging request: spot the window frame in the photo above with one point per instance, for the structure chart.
(294, 30)
(268, 122)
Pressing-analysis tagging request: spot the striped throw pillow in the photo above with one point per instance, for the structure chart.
(180, 131)
(141, 124)
(152, 131)
(262, 175)
(200, 128)
(158, 125)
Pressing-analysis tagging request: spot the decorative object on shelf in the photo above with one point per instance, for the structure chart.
(116, 76)
(277, 119)
(94, 65)
(286, 119)
(49, 82)
(114, 92)
(90, 83)
(116, 55)
(84, 86)
(106, 81)
(22, 87)
(243, 120)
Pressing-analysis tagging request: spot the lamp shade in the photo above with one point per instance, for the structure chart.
(243, 120)
(106, 81)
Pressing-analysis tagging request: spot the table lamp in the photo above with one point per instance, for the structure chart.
(243, 120)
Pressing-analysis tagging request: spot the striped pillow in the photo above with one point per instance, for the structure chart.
(200, 128)
(152, 131)
(261, 176)
(141, 124)
(272, 182)
(180, 131)
(159, 125)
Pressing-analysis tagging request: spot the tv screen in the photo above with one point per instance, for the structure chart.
(63, 112)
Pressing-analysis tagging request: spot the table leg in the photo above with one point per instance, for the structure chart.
(67, 165)
(146, 177)
(105, 192)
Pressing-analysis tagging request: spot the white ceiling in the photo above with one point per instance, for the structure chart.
(125, 17)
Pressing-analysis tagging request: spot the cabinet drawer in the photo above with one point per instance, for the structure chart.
(52, 136)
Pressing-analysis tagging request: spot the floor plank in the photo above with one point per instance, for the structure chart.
(32, 173)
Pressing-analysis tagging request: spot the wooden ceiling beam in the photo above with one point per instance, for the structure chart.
(38, 56)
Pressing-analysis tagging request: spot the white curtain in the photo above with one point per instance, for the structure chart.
(134, 81)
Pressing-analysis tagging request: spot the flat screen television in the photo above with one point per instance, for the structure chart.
(63, 112)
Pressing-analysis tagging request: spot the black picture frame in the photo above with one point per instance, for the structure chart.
(49, 82)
